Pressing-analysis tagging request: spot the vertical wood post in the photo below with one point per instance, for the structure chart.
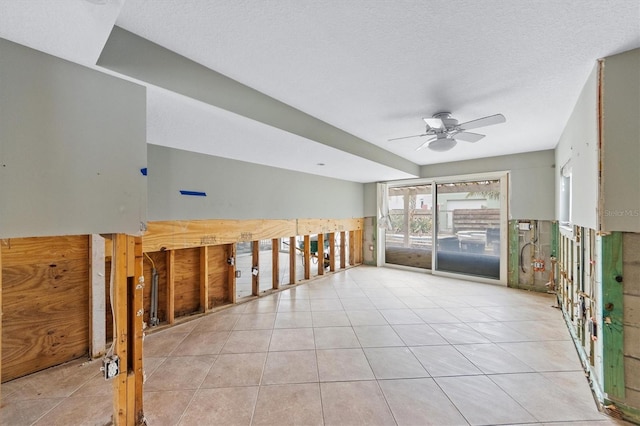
(332, 252)
(307, 257)
(343, 249)
(231, 275)
(127, 305)
(321, 254)
(275, 263)
(171, 288)
(204, 278)
(612, 315)
(513, 268)
(352, 247)
(292, 260)
(255, 279)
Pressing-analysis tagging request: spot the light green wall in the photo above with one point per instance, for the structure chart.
(240, 190)
(531, 185)
(72, 143)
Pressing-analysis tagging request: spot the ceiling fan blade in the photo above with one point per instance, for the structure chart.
(468, 136)
(427, 142)
(407, 137)
(434, 123)
(481, 122)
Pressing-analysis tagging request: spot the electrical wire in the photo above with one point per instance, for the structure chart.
(150, 260)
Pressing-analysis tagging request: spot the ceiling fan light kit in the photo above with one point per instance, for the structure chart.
(445, 131)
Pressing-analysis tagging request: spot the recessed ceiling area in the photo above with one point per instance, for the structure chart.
(371, 69)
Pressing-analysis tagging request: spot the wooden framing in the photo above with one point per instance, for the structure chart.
(97, 302)
(332, 251)
(171, 288)
(307, 257)
(275, 263)
(320, 254)
(204, 278)
(231, 277)
(255, 278)
(343, 249)
(292, 260)
(352, 248)
(127, 305)
(0, 317)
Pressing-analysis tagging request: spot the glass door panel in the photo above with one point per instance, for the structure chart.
(408, 241)
(244, 262)
(468, 228)
(265, 266)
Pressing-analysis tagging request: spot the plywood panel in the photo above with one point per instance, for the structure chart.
(325, 226)
(45, 303)
(218, 276)
(187, 281)
(196, 233)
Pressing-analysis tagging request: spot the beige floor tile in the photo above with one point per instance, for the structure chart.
(93, 410)
(292, 339)
(541, 330)
(25, 411)
(294, 319)
(498, 332)
(217, 322)
(394, 363)
(255, 321)
(343, 365)
(366, 317)
(420, 402)
(164, 408)
(180, 373)
(391, 302)
(302, 405)
(326, 305)
(375, 336)
(223, 406)
(294, 304)
(418, 335)
(357, 304)
(459, 333)
(491, 359)
(482, 402)
(545, 356)
(346, 293)
(355, 403)
(162, 343)
(417, 302)
(261, 306)
(401, 316)
(469, 315)
(444, 361)
(202, 343)
(330, 319)
(290, 367)
(435, 315)
(247, 341)
(235, 370)
(335, 338)
(544, 400)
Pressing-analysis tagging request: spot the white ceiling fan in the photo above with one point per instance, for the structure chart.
(445, 131)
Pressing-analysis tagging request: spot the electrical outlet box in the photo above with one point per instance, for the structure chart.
(110, 366)
(524, 226)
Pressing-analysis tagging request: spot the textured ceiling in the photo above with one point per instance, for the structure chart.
(372, 68)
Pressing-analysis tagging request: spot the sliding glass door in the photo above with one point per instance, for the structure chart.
(410, 218)
(465, 216)
(468, 231)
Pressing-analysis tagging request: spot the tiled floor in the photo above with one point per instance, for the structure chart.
(368, 346)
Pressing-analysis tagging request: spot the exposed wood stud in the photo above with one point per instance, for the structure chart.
(307, 257)
(343, 249)
(255, 278)
(97, 302)
(612, 303)
(320, 254)
(352, 247)
(332, 251)
(231, 276)
(171, 288)
(275, 263)
(120, 308)
(137, 295)
(204, 278)
(292, 260)
(0, 317)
